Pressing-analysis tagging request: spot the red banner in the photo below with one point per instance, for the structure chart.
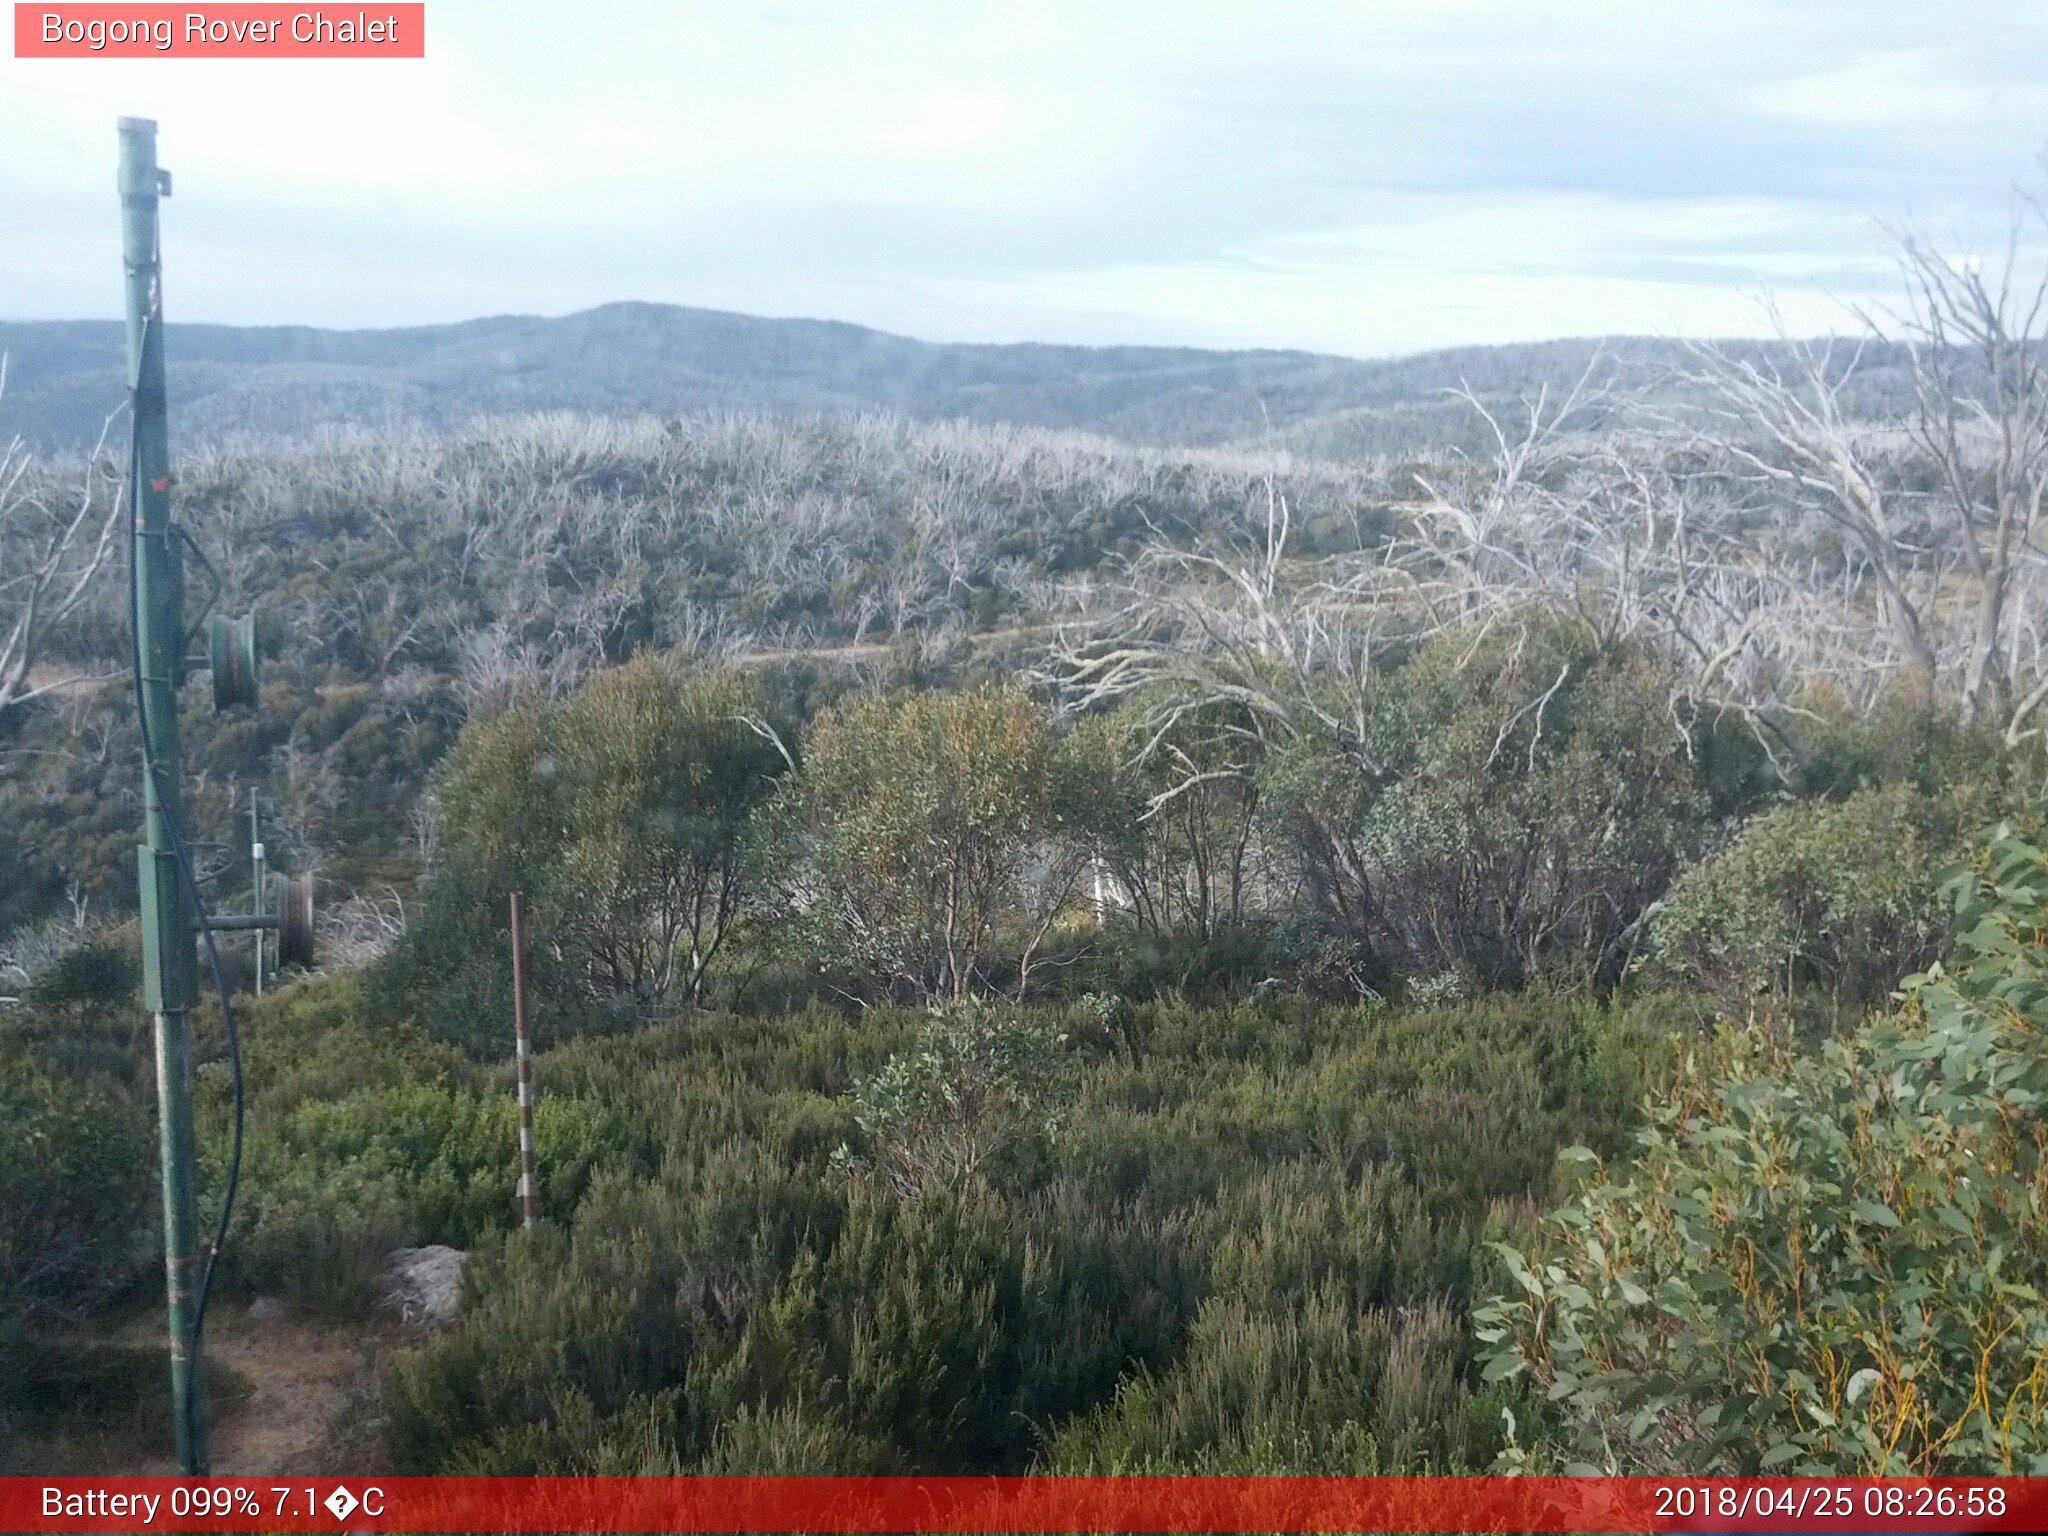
(1022, 1504)
(235, 31)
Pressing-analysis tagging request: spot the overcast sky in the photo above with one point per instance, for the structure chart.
(1356, 176)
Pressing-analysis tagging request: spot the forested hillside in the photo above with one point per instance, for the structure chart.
(1051, 952)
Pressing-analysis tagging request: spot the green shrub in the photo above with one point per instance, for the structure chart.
(584, 1335)
(1325, 1390)
(101, 973)
(1238, 1193)
(791, 1439)
(981, 1087)
(1902, 740)
(623, 813)
(365, 1137)
(1143, 962)
(75, 1163)
(1818, 1264)
(939, 837)
(318, 1235)
(1512, 804)
(70, 1405)
(1833, 899)
(1166, 795)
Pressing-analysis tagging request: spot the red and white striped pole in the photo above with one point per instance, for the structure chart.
(524, 1068)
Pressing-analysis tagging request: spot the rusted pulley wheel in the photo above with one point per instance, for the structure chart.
(295, 922)
(236, 659)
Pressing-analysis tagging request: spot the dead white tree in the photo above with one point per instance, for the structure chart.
(1238, 621)
(1790, 432)
(1619, 532)
(1241, 644)
(30, 952)
(51, 552)
(1981, 417)
(1938, 520)
(360, 928)
(1488, 537)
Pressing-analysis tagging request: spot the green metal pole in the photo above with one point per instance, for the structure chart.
(169, 961)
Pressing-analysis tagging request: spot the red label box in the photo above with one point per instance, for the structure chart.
(235, 31)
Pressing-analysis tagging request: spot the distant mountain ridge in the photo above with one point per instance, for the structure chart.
(631, 358)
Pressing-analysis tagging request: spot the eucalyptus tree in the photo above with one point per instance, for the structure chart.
(939, 837)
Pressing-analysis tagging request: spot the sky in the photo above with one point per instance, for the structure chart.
(1366, 177)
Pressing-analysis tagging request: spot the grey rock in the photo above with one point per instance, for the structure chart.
(424, 1285)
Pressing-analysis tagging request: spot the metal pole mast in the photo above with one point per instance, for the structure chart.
(522, 1058)
(169, 962)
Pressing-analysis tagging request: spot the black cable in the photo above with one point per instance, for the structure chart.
(152, 770)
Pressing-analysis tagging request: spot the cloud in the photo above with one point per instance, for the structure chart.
(1324, 174)
(1944, 94)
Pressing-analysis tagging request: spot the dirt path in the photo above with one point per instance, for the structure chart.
(878, 650)
(308, 1400)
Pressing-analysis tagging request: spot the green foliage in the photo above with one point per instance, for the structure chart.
(75, 1158)
(73, 1405)
(1143, 963)
(95, 974)
(936, 830)
(1818, 1264)
(982, 1084)
(35, 889)
(655, 777)
(364, 1137)
(451, 971)
(1901, 740)
(1171, 811)
(1833, 898)
(1324, 1390)
(1535, 799)
(1239, 1200)
(335, 1185)
(623, 814)
(1505, 805)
